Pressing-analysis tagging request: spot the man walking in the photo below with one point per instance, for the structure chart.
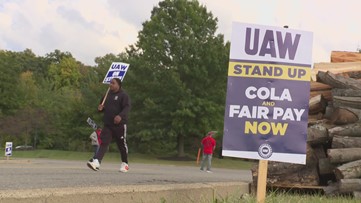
(116, 108)
(208, 145)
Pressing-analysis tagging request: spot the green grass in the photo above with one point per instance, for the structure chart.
(226, 162)
(288, 197)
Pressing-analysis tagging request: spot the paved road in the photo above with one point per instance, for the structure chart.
(43, 173)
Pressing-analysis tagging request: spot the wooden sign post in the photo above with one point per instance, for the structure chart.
(262, 181)
(198, 155)
(105, 97)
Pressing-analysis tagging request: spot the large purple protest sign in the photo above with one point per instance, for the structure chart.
(267, 94)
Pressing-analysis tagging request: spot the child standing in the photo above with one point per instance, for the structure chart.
(95, 140)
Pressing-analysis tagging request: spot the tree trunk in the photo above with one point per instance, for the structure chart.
(349, 170)
(180, 142)
(349, 185)
(346, 142)
(344, 155)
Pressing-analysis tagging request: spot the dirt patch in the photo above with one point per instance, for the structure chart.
(15, 161)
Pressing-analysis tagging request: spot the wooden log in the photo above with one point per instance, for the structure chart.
(331, 189)
(356, 194)
(329, 110)
(341, 116)
(338, 156)
(349, 170)
(317, 104)
(317, 86)
(350, 130)
(357, 112)
(349, 185)
(346, 142)
(317, 135)
(281, 174)
(327, 94)
(346, 92)
(287, 175)
(324, 122)
(354, 74)
(338, 81)
(345, 56)
(351, 102)
(319, 151)
(315, 119)
(349, 68)
(325, 167)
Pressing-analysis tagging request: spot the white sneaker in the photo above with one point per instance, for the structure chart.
(124, 167)
(208, 171)
(93, 164)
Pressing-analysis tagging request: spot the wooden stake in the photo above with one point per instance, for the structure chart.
(199, 154)
(105, 97)
(262, 181)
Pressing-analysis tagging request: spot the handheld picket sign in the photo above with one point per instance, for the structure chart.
(116, 70)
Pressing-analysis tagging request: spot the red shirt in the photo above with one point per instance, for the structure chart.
(208, 144)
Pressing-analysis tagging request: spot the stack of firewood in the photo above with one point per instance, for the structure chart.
(333, 160)
(343, 158)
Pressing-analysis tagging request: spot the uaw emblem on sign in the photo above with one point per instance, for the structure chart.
(116, 70)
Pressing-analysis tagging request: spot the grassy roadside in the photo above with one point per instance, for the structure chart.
(288, 197)
(226, 162)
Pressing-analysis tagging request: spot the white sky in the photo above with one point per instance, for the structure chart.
(92, 28)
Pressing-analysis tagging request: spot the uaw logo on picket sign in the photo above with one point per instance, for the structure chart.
(116, 70)
(265, 151)
(8, 148)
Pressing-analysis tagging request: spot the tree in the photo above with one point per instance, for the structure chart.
(182, 64)
(66, 73)
(57, 56)
(9, 78)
